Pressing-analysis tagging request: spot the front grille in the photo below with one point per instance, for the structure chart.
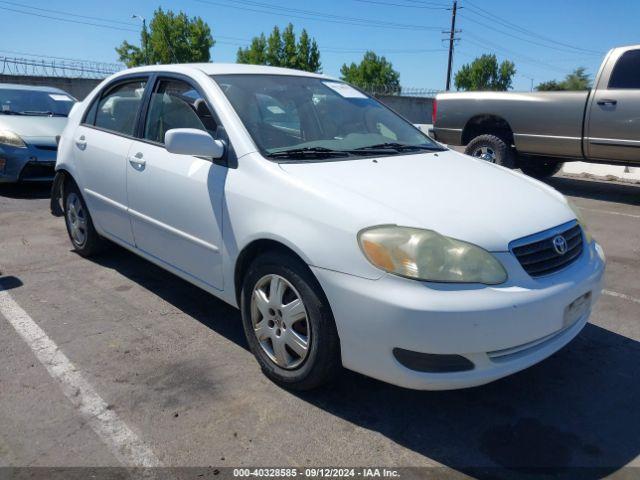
(38, 171)
(538, 255)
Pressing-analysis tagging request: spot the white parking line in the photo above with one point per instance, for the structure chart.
(609, 212)
(123, 443)
(621, 295)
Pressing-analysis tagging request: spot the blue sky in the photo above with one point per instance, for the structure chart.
(545, 38)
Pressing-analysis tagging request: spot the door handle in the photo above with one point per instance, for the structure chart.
(137, 161)
(81, 143)
(607, 101)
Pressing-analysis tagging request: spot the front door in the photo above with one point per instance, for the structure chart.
(101, 145)
(614, 117)
(175, 201)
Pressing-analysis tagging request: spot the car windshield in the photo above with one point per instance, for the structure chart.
(31, 102)
(307, 118)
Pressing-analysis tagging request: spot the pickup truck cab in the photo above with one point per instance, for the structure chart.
(539, 131)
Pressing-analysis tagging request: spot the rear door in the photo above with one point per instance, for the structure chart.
(101, 145)
(613, 124)
(175, 201)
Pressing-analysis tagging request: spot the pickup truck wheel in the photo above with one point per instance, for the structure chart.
(492, 149)
(288, 322)
(540, 168)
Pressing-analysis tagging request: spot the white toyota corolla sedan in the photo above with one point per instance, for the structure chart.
(345, 235)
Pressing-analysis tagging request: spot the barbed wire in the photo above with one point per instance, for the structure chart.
(401, 91)
(56, 67)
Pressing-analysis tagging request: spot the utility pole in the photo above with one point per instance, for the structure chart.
(452, 38)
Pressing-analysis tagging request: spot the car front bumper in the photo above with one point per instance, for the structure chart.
(501, 329)
(36, 162)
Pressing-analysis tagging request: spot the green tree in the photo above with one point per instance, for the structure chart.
(373, 73)
(170, 38)
(579, 79)
(282, 50)
(484, 73)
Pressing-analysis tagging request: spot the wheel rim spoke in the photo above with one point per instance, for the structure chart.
(280, 321)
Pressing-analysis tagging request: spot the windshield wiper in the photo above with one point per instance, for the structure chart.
(42, 113)
(317, 152)
(9, 112)
(398, 147)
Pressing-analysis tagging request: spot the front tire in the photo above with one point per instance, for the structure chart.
(83, 235)
(492, 149)
(288, 322)
(540, 168)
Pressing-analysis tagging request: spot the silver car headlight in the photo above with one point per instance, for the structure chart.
(7, 137)
(427, 255)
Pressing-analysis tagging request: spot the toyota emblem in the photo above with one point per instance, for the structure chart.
(560, 244)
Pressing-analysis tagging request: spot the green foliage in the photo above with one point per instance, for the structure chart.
(579, 79)
(282, 50)
(372, 73)
(170, 38)
(484, 73)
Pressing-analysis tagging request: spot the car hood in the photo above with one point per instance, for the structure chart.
(451, 193)
(33, 126)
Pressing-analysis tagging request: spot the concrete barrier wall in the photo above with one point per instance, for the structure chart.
(77, 87)
(414, 109)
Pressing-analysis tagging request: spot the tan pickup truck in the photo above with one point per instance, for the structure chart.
(537, 132)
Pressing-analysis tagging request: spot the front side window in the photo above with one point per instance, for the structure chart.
(17, 101)
(118, 109)
(314, 116)
(175, 104)
(626, 73)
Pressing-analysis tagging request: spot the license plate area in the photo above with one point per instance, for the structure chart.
(576, 309)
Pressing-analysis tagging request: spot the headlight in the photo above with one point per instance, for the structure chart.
(427, 255)
(9, 138)
(576, 211)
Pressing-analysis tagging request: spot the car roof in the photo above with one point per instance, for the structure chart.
(224, 68)
(31, 88)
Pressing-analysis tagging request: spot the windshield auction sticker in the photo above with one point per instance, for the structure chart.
(344, 90)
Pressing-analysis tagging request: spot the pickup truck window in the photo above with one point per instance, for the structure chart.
(626, 73)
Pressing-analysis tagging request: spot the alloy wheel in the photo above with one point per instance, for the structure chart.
(485, 153)
(280, 321)
(76, 219)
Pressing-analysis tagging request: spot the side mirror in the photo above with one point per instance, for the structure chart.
(191, 141)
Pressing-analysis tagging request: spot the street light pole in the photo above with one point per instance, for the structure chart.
(145, 48)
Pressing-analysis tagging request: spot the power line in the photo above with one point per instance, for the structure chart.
(259, 7)
(435, 6)
(112, 27)
(472, 8)
(100, 19)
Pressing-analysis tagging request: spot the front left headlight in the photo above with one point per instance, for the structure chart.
(7, 137)
(427, 255)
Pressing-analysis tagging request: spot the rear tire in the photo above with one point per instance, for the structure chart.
(83, 235)
(492, 149)
(539, 167)
(277, 336)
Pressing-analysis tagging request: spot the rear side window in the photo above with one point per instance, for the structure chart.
(176, 104)
(626, 73)
(118, 109)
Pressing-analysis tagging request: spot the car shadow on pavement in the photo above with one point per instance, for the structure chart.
(627, 193)
(25, 191)
(579, 408)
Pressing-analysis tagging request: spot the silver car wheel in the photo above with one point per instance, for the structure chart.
(76, 219)
(485, 153)
(280, 321)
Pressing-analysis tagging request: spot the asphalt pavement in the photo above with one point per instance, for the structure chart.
(174, 372)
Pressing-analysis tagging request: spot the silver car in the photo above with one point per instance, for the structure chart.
(30, 120)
